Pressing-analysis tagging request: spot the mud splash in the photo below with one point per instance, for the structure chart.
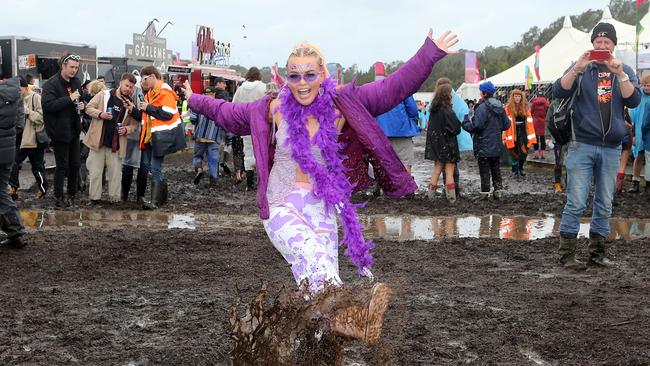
(295, 328)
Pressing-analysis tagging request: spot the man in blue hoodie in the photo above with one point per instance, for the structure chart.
(606, 87)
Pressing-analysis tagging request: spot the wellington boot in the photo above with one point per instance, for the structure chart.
(597, 252)
(484, 196)
(364, 322)
(13, 192)
(557, 187)
(568, 255)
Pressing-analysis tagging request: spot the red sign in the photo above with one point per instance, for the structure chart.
(205, 43)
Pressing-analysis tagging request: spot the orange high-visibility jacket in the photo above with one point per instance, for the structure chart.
(510, 134)
(160, 96)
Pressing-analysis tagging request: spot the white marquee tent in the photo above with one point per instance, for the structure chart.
(558, 54)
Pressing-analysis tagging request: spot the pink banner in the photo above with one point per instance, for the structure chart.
(472, 75)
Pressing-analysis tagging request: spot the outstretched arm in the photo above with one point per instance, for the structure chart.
(232, 117)
(383, 95)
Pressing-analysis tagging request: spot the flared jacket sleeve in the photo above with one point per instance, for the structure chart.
(381, 96)
(232, 117)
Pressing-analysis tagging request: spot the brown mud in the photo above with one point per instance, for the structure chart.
(148, 295)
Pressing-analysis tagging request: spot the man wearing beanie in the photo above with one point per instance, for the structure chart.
(486, 126)
(604, 87)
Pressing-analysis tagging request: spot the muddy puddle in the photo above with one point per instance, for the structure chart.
(399, 228)
(404, 228)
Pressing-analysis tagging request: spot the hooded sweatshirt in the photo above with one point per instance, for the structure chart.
(249, 91)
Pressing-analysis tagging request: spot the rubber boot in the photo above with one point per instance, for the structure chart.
(635, 187)
(597, 252)
(60, 202)
(484, 196)
(11, 224)
(497, 194)
(363, 322)
(450, 192)
(568, 254)
(164, 196)
(156, 194)
(557, 187)
(126, 186)
(198, 176)
(213, 182)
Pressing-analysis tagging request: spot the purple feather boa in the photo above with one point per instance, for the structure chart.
(330, 181)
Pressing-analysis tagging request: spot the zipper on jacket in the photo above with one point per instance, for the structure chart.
(611, 108)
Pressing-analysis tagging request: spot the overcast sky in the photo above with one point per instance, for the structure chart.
(350, 31)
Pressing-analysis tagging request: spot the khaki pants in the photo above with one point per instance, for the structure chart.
(95, 163)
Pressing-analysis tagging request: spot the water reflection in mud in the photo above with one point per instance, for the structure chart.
(398, 228)
(403, 228)
(107, 218)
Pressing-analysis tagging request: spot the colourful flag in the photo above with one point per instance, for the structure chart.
(275, 76)
(380, 70)
(472, 75)
(529, 78)
(639, 27)
(537, 48)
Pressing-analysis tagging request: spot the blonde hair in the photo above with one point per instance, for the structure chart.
(645, 79)
(96, 86)
(304, 49)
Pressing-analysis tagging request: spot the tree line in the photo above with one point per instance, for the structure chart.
(494, 59)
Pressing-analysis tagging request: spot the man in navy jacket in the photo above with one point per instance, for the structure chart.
(606, 87)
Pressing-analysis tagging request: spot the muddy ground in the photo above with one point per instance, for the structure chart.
(142, 297)
(530, 195)
(90, 296)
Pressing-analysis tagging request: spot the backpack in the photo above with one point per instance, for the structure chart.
(561, 126)
(10, 104)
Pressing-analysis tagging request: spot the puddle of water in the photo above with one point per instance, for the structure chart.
(398, 228)
(105, 218)
(403, 228)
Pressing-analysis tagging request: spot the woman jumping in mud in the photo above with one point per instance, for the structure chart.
(312, 145)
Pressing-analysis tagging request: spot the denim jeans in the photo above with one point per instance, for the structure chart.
(211, 150)
(153, 164)
(583, 162)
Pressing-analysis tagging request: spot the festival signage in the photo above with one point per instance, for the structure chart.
(209, 51)
(150, 47)
(176, 69)
(27, 62)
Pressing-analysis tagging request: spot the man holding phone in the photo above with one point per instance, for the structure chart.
(114, 116)
(62, 110)
(605, 86)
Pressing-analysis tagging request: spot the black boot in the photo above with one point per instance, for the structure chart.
(568, 254)
(635, 187)
(213, 182)
(71, 201)
(60, 202)
(198, 176)
(156, 194)
(164, 196)
(126, 186)
(12, 225)
(597, 255)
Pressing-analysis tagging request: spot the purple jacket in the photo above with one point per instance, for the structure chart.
(363, 139)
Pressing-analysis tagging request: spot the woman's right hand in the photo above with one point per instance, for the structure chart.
(187, 89)
(106, 116)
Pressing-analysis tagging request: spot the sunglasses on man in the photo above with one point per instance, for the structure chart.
(72, 57)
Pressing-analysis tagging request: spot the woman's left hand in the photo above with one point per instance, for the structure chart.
(187, 89)
(445, 41)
